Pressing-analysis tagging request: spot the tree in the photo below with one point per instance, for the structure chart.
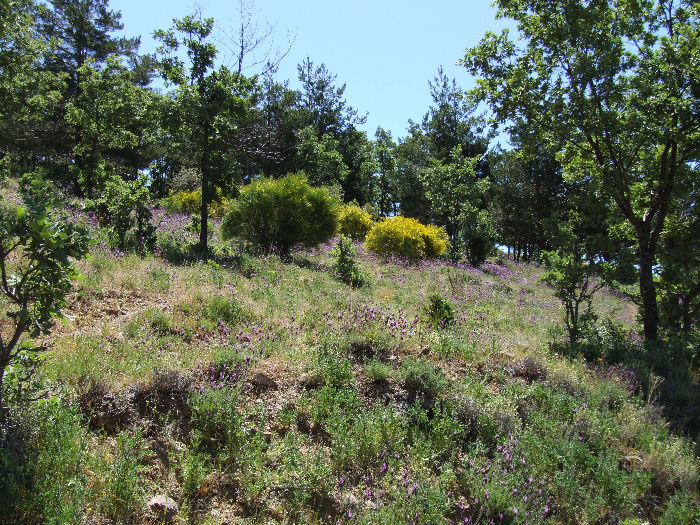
(412, 158)
(82, 28)
(383, 184)
(571, 271)
(617, 84)
(35, 274)
(208, 106)
(324, 163)
(114, 115)
(30, 97)
(456, 196)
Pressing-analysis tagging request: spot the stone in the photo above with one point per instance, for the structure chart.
(163, 507)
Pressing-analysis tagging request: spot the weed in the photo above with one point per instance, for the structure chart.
(439, 311)
(419, 377)
(377, 371)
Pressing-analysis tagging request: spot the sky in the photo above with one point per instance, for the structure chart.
(385, 51)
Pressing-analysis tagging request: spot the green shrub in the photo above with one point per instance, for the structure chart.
(354, 222)
(377, 371)
(43, 457)
(276, 215)
(123, 210)
(122, 484)
(419, 377)
(190, 202)
(331, 367)
(218, 420)
(439, 310)
(345, 267)
(406, 237)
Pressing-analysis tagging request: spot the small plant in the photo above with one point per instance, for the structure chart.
(377, 371)
(345, 267)
(354, 222)
(406, 237)
(195, 469)
(122, 485)
(439, 311)
(419, 377)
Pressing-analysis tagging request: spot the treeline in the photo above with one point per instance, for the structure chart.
(79, 111)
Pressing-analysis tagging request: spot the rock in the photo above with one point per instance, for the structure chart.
(263, 382)
(163, 507)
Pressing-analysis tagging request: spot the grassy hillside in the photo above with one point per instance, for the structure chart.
(252, 390)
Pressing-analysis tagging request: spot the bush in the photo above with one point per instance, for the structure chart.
(406, 237)
(354, 222)
(123, 210)
(419, 377)
(276, 215)
(345, 266)
(440, 311)
(190, 202)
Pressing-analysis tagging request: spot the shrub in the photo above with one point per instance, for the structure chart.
(406, 237)
(345, 266)
(279, 214)
(354, 222)
(123, 210)
(440, 311)
(419, 377)
(190, 202)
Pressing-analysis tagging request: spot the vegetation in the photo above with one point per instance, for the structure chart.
(496, 336)
(407, 238)
(276, 215)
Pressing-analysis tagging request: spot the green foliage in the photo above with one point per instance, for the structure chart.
(628, 147)
(331, 367)
(354, 222)
(320, 158)
(123, 487)
(570, 271)
(345, 267)
(112, 113)
(43, 457)
(276, 215)
(456, 195)
(195, 469)
(217, 419)
(420, 377)
(439, 310)
(377, 371)
(123, 210)
(190, 202)
(35, 259)
(405, 237)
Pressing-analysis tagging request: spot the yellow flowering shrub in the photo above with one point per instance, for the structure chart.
(406, 237)
(354, 222)
(191, 201)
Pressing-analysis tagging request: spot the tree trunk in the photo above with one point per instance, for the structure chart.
(3, 364)
(647, 290)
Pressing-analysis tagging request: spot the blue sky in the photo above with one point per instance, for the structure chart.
(386, 51)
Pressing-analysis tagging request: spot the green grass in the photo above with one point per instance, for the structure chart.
(378, 415)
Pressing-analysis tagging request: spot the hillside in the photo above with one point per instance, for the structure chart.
(254, 390)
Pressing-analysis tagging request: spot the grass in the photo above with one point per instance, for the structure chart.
(375, 413)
